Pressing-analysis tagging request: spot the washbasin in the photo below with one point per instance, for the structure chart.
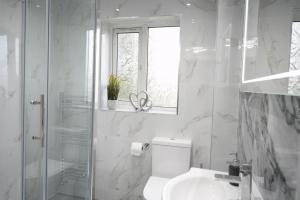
(200, 184)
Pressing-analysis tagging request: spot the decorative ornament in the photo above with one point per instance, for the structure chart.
(140, 102)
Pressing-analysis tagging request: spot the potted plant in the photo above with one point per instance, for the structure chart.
(113, 89)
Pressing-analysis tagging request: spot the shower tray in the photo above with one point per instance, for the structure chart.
(65, 197)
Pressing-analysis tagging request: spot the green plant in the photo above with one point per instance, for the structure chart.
(113, 87)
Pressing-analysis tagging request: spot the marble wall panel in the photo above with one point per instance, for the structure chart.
(10, 99)
(269, 136)
(227, 78)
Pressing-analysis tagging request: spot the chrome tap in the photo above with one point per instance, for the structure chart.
(224, 177)
(246, 180)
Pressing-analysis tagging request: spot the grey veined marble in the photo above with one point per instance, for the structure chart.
(269, 132)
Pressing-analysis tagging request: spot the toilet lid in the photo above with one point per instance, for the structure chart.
(154, 188)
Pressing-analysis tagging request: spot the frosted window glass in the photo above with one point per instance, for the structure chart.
(295, 47)
(127, 64)
(294, 82)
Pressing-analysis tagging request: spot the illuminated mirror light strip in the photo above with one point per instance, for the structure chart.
(245, 39)
(276, 76)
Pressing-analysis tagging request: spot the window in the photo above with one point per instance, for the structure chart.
(293, 87)
(147, 58)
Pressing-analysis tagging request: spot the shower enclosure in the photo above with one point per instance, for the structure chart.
(58, 99)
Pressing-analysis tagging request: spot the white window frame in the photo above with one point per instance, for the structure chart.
(142, 27)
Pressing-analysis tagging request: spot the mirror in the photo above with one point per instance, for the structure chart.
(272, 42)
(144, 53)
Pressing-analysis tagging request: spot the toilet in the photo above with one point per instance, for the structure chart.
(170, 158)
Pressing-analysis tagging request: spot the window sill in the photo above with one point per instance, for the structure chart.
(154, 110)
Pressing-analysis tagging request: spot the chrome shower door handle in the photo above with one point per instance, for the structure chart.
(42, 122)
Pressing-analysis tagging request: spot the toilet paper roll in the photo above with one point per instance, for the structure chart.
(136, 148)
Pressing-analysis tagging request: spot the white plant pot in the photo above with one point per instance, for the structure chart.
(112, 104)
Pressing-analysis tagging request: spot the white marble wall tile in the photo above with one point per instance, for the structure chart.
(225, 125)
(10, 104)
(227, 79)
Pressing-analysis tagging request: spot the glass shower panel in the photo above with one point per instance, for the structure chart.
(70, 94)
(35, 85)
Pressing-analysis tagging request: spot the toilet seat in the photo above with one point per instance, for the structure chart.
(154, 188)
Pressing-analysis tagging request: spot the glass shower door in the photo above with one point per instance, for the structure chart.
(70, 98)
(35, 89)
(58, 99)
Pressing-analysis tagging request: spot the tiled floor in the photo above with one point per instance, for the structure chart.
(66, 197)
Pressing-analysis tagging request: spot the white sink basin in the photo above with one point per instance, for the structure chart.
(200, 184)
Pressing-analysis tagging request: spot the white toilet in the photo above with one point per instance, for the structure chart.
(170, 157)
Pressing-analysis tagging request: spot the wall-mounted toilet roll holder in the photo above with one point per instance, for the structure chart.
(138, 148)
(146, 146)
